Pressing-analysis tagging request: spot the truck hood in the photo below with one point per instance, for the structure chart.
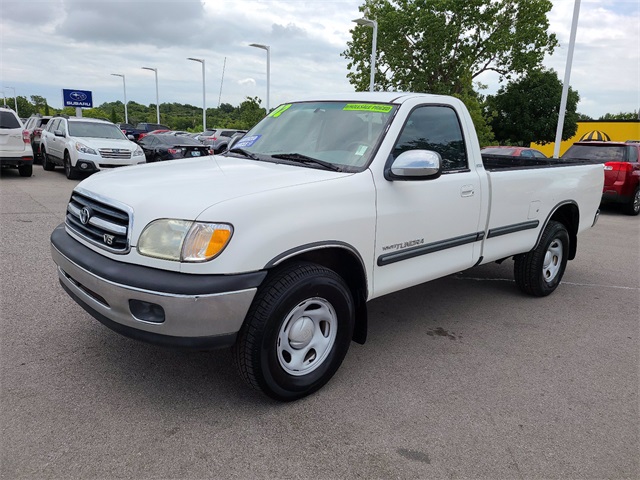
(184, 188)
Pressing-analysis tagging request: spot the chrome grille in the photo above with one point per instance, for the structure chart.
(98, 222)
(119, 153)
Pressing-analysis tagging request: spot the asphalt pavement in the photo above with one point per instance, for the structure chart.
(462, 377)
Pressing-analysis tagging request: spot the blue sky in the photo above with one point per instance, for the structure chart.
(48, 45)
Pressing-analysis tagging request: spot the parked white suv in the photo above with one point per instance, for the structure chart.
(15, 146)
(86, 145)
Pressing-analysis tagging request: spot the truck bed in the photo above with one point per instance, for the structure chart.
(503, 162)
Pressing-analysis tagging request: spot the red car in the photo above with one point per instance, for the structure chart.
(621, 170)
(511, 151)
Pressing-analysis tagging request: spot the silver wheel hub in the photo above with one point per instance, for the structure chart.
(636, 201)
(307, 336)
(552, 260)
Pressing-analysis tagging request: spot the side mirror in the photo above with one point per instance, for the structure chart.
(131, 137)
(415, 165)
(58, 133)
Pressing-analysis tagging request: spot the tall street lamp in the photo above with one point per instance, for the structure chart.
(268, 49)
(567, 77)
(157, 102)
(204, 98)
(15, 100)
(124, 85)
(370, 23)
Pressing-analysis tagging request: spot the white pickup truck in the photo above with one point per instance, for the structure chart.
(275, 247)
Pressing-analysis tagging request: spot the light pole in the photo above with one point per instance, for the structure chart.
(124, 85)
(15, 100)
(204, 98)
(268, 49)
(370, 23)
(567, 76)
(157, 101)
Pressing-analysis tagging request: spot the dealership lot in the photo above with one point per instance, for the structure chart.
(461, 377)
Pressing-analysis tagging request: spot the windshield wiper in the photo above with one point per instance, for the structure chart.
(244, 153)
(298, 157)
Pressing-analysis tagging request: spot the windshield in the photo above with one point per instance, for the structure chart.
(95, 130)
(343, 134)
(599, 153)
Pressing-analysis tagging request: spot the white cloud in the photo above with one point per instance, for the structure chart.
(80, 43)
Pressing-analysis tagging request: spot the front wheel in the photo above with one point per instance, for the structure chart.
(633, 207)
(540, 271)
(69, 170)
(297, 332)
(46, 163)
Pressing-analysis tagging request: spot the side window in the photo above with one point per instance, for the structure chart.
(434, 128)
(526, 153)
(633, 153)
(27, 126)
(53, 126)
(538, 154)
(62, 127)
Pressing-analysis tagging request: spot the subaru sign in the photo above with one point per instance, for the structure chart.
(77, 98)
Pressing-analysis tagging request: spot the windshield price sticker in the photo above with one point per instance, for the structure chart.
(247, 141)
(368, 107)
(280, 110)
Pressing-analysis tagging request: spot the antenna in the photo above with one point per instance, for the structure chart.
(221, 81)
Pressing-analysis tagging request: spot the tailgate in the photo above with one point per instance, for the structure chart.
(11, 140)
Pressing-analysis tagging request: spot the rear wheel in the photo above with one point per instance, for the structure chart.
(297, 332)
(25, 170)
(540, 271)
(46, 163)
(633, 207)
(69, 170)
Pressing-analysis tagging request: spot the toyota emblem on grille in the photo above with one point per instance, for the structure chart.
(85, 215)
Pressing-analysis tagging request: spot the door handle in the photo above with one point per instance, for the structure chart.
(467, 191)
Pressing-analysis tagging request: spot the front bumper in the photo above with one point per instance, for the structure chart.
(156, 306)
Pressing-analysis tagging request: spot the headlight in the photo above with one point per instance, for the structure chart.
(183, 240)
(138, 152)
(84, 149)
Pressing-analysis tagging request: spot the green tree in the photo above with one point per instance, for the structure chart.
(250, 113)
(25, 107)
(438, 46)
(526, 110)
(95, 113)
(635, 115)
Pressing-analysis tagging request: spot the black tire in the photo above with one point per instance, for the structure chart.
(69, 170)
(46, 163)
(633, 207)
(36, 154)
(25, 170)
(319, 304)
(540, 271)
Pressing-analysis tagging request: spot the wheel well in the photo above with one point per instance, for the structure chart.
(569, 216)
(346, 264)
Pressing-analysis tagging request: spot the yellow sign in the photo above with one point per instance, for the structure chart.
(616, 131)
(278, 111)
(368, 107)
